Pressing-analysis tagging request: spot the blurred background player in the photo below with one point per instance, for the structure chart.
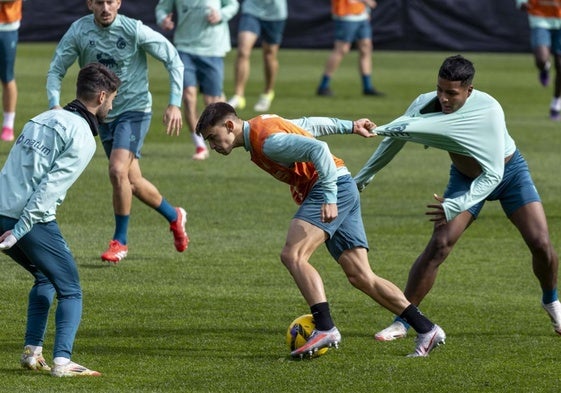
(352, 25)
(121, 43)
(10, 19)
(263, 19)
(33, 183)
(202, 38)
(544, 17)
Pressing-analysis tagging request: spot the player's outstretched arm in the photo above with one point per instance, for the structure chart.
(364, 127)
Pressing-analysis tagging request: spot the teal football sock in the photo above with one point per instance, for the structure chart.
(549, 295)
(167, 210)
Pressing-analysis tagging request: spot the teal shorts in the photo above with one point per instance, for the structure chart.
(351, 31)
(270, 31)
(515, 190)
(125, 132)
(8, 44)
(347, 230)
(546, 37)
(205, 72)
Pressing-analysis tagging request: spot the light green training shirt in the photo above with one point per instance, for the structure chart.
(51, 152)
(476, 130)
(193, 33)
(122, 47)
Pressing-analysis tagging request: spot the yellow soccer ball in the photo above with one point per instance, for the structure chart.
(299, 332)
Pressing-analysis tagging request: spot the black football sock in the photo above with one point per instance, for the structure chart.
(322, 316)
(414, 317)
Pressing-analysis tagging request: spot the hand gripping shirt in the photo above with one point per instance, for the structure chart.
(52, 151)
(288, 150)
(476, 130)
(193, 33)
(122, 47)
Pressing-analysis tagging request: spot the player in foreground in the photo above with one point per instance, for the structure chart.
(329, 211)
(52, 151)
(121, 43)
(486, 165)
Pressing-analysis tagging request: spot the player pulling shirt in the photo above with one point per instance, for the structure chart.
(476, 130)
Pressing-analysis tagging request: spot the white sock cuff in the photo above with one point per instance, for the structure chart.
(60, 361)
(198, 140)
(9, 118)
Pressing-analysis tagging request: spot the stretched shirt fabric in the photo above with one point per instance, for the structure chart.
(193, 33)
(10, 15)
(543, 13)
(288, 150)
(52, 151)
(270, 10)
(476, 130)
(122, 47)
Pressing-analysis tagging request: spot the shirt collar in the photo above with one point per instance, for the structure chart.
(246, 141)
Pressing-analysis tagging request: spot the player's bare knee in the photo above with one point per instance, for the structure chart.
(439, 248)
(117, 174)
(286, 257)
(541, 247)
(357, 281)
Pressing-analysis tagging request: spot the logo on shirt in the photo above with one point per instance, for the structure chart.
(106, 60)
(34, 145)
(121, 43)
(395, 130)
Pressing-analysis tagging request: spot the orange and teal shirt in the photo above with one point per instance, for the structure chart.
(349, 10)
(10, 15)
(290, 152)
(544, 14)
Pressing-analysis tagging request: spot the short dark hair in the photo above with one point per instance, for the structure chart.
(457, 68)
(213, 114)
(94, 78)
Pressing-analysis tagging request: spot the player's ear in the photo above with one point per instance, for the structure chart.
(229, 124)
(101, 97)
(470, 89)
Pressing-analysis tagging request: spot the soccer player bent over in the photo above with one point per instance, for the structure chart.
(329, 211)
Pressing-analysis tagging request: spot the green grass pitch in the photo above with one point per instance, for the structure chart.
(213, 319)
